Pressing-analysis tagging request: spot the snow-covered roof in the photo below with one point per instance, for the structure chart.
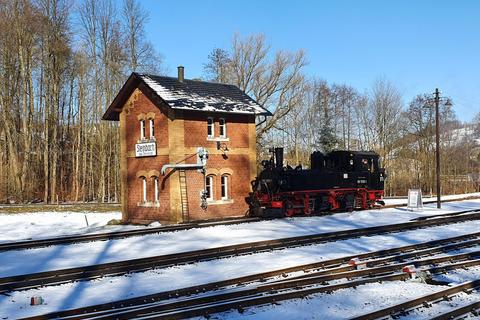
(189, 95)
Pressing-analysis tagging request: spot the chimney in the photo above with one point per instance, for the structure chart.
(181, 73)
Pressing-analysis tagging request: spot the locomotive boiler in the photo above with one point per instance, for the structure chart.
(336, 181)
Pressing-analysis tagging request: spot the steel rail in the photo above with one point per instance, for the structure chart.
(314, 278)
(263, 276)
(127, 313)
(402, 258)
(462, 311)
(206, 305)
(456, 213)
(65, 240)
(411, 304)
(35, 280)
(39, 243)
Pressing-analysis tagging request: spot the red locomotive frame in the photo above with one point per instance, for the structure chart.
(300, 202)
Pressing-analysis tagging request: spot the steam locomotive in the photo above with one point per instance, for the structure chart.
(336, 181)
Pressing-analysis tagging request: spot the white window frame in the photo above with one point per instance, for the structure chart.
(210, 125)
(144, 189)
(152, 129)
(222, 126)
(224, 186)
(142, 129)
(209, 187)
(155, 185)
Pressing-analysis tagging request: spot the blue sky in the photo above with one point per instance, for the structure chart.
(417, 45)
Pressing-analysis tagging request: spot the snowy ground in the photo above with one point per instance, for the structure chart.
(58, 257)
(347, 303)
(403, 201)
(333, 306)
(25, 226)
(35, 225)
(115, 288)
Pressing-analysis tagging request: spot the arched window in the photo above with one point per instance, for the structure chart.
(142, 129)
(209, 187)
(210, 128)
(144, 189)
(155, 189)
(152, 129)
(222, 128)
(225, 184)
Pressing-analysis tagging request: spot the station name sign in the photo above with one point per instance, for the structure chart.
(146, 149)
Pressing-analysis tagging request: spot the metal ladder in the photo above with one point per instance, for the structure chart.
(182, 177)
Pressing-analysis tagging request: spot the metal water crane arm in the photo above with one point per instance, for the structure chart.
(202, 154)
(180, 166)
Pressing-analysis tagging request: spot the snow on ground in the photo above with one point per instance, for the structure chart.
(38, 225)
(403, 200)
(108, 289)
(59, 257)
(34, 225)
(347, 303)
(114, 288)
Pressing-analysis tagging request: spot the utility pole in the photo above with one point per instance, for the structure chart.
(437, 142)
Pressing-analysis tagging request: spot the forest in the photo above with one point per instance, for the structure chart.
(62, 62)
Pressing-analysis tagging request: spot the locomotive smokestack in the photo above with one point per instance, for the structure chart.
(279, 157)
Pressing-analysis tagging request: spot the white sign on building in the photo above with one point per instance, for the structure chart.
(146, 149)
(415, 200)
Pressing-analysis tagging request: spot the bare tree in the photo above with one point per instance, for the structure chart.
(277, 84)
(53, 90)
(217, 67)
(140, 54)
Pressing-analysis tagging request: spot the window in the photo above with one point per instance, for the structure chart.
(142, 129)
(144, 189)
(155, 186)
(209, 187)
(222, 128)
(210, 128)
(224, 182)
(152, 129)
(364, 165)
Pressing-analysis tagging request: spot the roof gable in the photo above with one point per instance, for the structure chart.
(188, 95)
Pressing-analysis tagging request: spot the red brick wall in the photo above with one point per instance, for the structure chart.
(196, 129)
(138, 213)
(195, 133)
(239, 188)
(143, 105)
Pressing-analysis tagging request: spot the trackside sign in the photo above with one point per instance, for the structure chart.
(415, 200)
(146, 149)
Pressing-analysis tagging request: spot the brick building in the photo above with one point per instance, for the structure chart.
(167, 128)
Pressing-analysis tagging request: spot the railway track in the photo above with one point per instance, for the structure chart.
(261, 295)
(55, 277)
(32, 244)
(426, 300)
(39, 243)
(283, 284)
(473, 308)
(451, 214)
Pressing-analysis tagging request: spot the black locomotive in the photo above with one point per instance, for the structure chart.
(336, 181)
